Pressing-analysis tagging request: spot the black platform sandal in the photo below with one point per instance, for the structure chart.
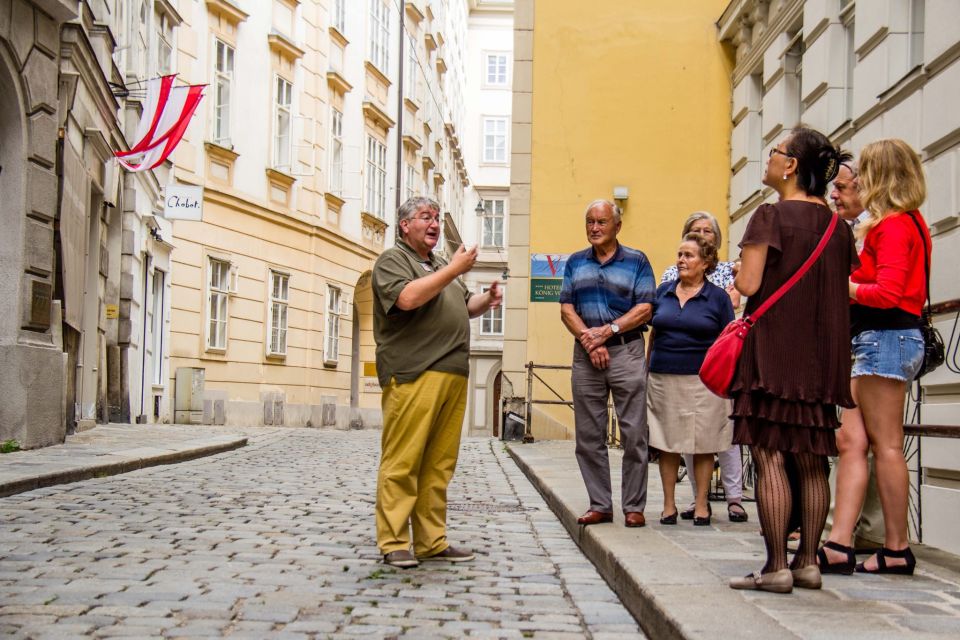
(898, 569)
(736, 512)
(845, 568)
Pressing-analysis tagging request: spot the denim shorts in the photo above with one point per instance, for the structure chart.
(890, 353)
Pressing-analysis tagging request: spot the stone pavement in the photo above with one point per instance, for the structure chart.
(108, 450)
(276, 540)
(674, 578)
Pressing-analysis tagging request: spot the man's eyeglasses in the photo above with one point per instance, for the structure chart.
(427, 219)
(774, 150)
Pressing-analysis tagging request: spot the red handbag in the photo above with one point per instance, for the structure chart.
(720, 363)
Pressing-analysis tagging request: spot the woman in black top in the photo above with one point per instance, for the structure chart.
(795, 367)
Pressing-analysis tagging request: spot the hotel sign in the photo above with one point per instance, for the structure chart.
(546, 276)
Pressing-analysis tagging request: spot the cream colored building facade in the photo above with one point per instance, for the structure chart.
(303, 147)
(489, 99)
(860, 71)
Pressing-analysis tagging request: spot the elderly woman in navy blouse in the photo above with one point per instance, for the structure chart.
(731, 464)
(684, 416)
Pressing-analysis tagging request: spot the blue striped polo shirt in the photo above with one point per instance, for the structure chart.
(601, 293)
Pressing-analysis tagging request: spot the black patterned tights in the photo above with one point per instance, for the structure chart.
(775, 501)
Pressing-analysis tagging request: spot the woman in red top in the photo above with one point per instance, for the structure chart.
(888, 292)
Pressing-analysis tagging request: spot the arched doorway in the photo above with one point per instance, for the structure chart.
(364, 390)
(491, 398)
(497, 414)
(12, 179)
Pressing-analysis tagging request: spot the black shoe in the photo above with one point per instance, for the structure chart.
(843, 568)
(898, 569)
(687, 514)
(701, 522)
(670, 519)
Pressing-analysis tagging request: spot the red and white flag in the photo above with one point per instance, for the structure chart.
(166, 114)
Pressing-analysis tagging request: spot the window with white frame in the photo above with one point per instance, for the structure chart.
(491, 322)
(492, 235)
(411, 181)
(283, 99)
(495, 139)
(379, 35)
(331, 341)
(336, 151)
(277, 313)
(141, 38)
(338, 15)
(376, 191)
(164, 44)
(223, 90)
(156, 310)
(495, 71)
(218, 295)
(410, 76)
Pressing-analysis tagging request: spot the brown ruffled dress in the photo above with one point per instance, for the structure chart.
(794, 370)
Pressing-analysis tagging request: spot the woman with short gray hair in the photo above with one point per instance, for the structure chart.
(731, 466)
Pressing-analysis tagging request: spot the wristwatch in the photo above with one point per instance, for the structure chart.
(615, 328)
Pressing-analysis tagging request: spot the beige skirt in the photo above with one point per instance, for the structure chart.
(685, 417)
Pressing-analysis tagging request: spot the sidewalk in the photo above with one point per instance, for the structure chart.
(108, 450)
(674, 578)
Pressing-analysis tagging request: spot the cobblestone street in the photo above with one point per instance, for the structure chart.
(276, 540)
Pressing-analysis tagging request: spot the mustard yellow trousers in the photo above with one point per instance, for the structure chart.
(422, 421)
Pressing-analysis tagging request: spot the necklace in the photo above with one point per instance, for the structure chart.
(691, 292)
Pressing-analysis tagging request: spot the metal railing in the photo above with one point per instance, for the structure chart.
(914, 428)
(613, 428)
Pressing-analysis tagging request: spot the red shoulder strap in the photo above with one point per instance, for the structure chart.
(779, 293)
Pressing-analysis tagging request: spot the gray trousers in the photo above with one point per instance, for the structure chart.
(624, 378)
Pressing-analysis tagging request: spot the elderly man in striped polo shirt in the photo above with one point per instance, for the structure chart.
(606, 300)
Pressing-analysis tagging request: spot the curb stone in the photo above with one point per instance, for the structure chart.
(141, 460)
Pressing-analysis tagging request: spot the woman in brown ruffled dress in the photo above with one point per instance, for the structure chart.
(795, 367)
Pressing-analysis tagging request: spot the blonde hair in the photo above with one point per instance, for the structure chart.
(890, 181)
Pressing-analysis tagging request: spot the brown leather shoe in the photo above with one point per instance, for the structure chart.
(634, 519)
(401, 558)
(595, 517)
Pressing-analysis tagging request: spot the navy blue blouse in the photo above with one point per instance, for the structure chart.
(683, 335)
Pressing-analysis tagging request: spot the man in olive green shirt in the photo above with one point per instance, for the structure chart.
(421, 314)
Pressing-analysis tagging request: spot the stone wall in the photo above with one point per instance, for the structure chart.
(32, 375)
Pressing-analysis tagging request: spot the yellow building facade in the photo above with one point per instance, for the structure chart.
(625, 96)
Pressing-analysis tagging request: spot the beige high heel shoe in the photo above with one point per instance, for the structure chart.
(774, 582)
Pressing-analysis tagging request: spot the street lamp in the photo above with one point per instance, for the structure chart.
(479, 208)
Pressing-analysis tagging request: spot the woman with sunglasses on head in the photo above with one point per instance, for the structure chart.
(888, 292)
(794, 369)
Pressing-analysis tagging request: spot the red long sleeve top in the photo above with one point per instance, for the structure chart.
(891, 273)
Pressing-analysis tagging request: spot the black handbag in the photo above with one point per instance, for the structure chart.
(934, 353)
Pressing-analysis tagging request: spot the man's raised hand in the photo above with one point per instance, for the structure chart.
(463, 260)
(496, 294)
